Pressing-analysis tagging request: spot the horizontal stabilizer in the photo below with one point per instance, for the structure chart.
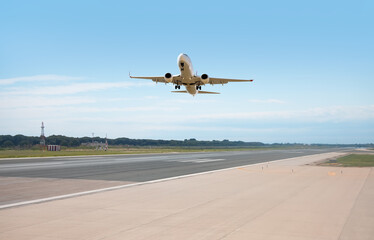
(179, 91)
(205, 92)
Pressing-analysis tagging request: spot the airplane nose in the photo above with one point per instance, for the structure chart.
(182, 58)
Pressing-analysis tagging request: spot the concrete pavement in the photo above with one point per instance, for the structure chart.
(278, 200)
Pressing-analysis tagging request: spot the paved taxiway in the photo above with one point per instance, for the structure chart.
(277, 200)
(35, 178)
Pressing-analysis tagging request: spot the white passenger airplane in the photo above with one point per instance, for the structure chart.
(191, 81)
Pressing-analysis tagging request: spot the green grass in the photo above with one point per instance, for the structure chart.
(356, 160)
(118, 150)
(80, 152)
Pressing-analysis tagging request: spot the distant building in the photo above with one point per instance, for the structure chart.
(97, 145)
(53, 147)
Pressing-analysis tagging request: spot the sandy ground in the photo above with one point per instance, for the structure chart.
(281, 200)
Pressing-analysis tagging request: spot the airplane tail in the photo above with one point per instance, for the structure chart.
(199, 92)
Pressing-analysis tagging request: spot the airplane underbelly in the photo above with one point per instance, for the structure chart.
(188, 81)
(186, 72)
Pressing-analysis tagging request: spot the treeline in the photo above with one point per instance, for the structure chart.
(186, 143)
(21, 141)
(26, 142)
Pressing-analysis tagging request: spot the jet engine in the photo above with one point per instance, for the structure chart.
(204, 78)
(168, 77)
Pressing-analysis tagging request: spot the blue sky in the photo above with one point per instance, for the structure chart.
(67, 62)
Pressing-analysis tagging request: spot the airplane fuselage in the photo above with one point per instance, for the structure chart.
(187, 73)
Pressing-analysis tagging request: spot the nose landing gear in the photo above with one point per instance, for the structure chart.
(177, 87)
(198, 87)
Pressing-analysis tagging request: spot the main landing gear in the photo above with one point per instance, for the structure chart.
(198, 87)
(177, 87)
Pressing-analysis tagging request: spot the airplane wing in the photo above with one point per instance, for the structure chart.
(226, 80)
(155, 79)
(176, 79)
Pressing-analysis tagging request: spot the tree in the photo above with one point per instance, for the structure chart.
(7, 144)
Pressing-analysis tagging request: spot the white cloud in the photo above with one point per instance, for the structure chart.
(322, 114)
(183, 127)
(38, 78)
(152, 97)
(266, 101)
(122, 109)
(170, 114)
(196, 100)
(122, 99)
(73, 88)
(174, 115)
(39, 101)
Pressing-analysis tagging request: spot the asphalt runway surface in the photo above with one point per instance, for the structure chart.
(140, 168)
(284, 199)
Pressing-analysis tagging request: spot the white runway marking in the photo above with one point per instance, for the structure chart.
(200, 160)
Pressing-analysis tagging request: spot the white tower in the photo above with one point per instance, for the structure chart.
(42, 138)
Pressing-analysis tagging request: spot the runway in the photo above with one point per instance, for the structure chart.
(29, 179)
(139, 168)
(284, 199)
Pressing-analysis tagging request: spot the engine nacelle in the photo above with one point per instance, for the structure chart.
(168, 77)
(204, 78)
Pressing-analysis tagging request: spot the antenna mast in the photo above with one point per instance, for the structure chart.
(106, 142)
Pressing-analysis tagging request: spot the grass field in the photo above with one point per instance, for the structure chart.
(81, 152)
(353, 160)
(142, 150)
